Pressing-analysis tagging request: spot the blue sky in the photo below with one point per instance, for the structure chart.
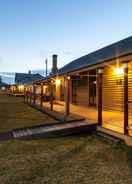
(32, 30)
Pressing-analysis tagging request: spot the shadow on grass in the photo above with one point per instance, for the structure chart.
(55, 135)
(129, 155)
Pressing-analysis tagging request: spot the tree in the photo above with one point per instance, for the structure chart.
(0, 79)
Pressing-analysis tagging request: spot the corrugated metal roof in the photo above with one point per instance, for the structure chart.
(24, 78)
(114, 50)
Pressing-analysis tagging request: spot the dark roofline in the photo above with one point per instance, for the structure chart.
(115, 44)
(101, 62)
(27, 73)
(44, 79)
(26, 78)
(59, 74)
(105, 54)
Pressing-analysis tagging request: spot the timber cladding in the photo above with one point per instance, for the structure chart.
(81, 91)
(113, 90)
(59, 89)
(130, 87)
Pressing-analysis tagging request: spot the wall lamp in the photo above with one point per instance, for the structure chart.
(119, 71)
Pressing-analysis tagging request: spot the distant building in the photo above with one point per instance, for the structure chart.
(3, 86)
(22, 79)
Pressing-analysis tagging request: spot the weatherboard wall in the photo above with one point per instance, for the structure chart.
(130, 89)
(82, 91)
(113, 89)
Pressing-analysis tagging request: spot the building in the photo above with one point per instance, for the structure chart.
(97, 86)
(4, 87)
(22, 80)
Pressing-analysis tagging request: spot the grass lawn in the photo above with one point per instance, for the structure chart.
(68, 160)
(14, 114)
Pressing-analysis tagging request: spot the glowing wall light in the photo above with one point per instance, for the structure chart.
(21, 87)
(119, 71)
(52, 81)
(68, 77)
(58, 82)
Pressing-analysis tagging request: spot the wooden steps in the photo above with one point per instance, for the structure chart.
(115, 136)
(55, 130)
(110, 134)
(108, 137)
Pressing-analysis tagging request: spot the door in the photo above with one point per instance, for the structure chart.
(92, 88)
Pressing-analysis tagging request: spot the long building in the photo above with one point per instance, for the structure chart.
(97, 86)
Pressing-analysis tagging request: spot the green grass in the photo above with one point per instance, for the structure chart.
(80, 159)
(67, 160)
(14, 114)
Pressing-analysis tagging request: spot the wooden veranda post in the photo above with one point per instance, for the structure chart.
(126, 98)
(27, 96)
(24, 94)
(51, 95)
(34, 94)
(41, 94)
(100, 77)
(30, 95)
(67, 95)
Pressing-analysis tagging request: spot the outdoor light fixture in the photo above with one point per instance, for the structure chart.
(68, 77)
(52, 81)
(100, 70)
(58, 82)
(21, 87)
(119, 71)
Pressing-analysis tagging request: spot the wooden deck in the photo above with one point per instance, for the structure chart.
(112, 120)
(58, 115)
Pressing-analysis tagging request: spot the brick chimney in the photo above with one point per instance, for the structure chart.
(29, 72)
(54, 64)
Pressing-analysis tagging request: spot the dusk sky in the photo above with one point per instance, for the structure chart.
(32, 30)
